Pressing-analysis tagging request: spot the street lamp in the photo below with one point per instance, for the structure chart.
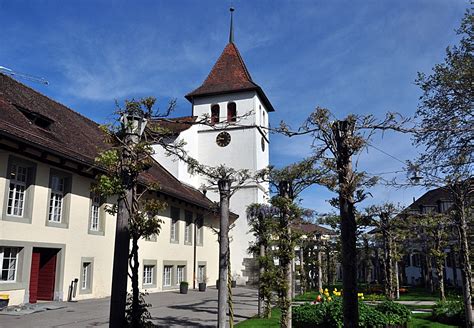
(133, 125)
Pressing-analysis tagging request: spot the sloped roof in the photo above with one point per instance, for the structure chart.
(306, 227)
(228, 75)
(70, 135)
(430, 198)
(174, 125)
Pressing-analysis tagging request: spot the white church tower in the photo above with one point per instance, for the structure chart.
(238, 138)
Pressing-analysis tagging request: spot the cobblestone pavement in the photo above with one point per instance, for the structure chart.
(169, 309)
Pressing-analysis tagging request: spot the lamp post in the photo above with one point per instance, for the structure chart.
(133, 125)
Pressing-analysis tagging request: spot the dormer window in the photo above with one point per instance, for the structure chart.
(35, 118)
(231, 112)
(215, 112)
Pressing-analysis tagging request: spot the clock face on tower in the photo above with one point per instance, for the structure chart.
(223, 139)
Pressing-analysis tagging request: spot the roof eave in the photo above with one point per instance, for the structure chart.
(256, 88)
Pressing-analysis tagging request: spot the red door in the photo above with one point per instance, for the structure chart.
(35, 263)
(43, 274)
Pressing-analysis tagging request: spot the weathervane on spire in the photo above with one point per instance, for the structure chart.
(231, 34)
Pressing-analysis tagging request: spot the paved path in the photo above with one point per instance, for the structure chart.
(169, 309)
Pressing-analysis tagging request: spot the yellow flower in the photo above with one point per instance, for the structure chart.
(326, 290)
(335, 289)
(321, 290)
(360, 294)
(329, 299)
(362, 298)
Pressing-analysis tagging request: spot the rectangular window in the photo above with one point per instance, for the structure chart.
(167, 275)
(17, 190)
(56, 199)
(201, 274)
(199, 230)
(9, 263)
(188, 231)
(180, 274)
(86, 271)
(174, 237)
(95, 212)
(148, 274)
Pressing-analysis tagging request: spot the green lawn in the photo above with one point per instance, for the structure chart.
(421, 320)
(257, 322)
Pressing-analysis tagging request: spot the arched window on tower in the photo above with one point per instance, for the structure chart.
(215, 110)
(231, 112)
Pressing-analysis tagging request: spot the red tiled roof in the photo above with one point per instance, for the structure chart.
(306, 227)
(70, 135)
(228, 75)
(174, 125)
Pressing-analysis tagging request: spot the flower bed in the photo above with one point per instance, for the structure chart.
(326, 311)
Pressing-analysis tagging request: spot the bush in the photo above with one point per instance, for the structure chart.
(449, 312)
(329, 314)
(395, 312)
(184, 283)
(308, 315)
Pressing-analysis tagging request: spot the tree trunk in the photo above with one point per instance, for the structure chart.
(118, 298)
(328, 266)
(440, 273)
(230, 303)
(260, 282)
(134, 265)
(286, 258)
(320, 269)
(429, 266)
(388, 263)
(343, 130)
(224, 191)
(397, 281)
(466, 273)
(302, 272)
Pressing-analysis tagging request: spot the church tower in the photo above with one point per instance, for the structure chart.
(238, 109)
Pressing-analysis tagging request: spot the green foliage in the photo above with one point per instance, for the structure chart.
(143, 313)
(184, 283)
(445, 110)
(309, 315)
(396, 313)
(449, 312)
(329, 314)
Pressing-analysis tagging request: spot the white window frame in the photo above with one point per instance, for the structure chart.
(167, 274)
(58, 184)
(180, 273)
(9, 267)
(201, 273)
(18, 176)
(95, 212)
(174, 223)
(86, 274)
(199, 230)
(188, 231)
(148, 273)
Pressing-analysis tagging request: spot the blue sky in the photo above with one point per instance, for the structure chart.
(349, 56)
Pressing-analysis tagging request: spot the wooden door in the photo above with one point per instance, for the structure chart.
(47, 275)
(34, 273)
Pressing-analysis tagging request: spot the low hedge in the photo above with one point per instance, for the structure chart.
(449, 312)
(329, 314)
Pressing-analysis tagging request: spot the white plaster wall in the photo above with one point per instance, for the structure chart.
(79, 243)
(245, 103)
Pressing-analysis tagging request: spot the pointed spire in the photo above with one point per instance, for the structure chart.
(231, 33)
